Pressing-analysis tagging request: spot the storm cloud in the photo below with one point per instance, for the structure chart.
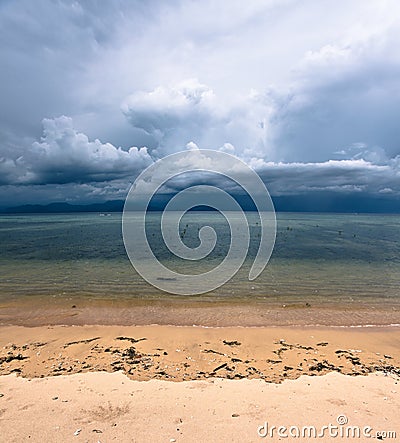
(64, 155)
(308, 94)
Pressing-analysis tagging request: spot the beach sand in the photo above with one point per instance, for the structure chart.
(193, 384)
(102, 407)
(37, 311)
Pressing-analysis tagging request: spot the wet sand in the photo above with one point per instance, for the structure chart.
(37, 311)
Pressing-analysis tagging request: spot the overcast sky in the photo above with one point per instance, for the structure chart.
(92, 92)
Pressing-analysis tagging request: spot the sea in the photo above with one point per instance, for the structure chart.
(323, 259)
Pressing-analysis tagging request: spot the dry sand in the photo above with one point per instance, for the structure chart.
(187, 353)
(230, 381)
(102, 407)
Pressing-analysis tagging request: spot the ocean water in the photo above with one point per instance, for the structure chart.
(318, 258)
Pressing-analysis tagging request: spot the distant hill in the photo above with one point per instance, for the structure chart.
(322, 202)
(60, 207)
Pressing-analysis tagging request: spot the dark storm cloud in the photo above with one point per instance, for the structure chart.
(343, 96)
(47, 49)
(310, 108)
(343, 176)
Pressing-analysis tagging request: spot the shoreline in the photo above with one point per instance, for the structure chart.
(34, 312)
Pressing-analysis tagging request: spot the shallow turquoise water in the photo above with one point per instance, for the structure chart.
(324, 258)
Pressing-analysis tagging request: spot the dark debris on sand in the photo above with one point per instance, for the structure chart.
(292, 360)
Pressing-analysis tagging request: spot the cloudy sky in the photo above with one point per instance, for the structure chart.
(306, 92)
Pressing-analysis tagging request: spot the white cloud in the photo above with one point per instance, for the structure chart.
(64, 155)
(191, 112)
(171, 114)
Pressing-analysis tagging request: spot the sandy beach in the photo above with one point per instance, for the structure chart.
(199, 221)
(173, 383)
(189, 353)
(102, 407)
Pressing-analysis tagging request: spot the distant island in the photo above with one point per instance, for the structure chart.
(61, 207)
(294, 203)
